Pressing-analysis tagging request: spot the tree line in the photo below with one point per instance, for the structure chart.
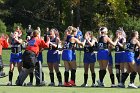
(86, 14)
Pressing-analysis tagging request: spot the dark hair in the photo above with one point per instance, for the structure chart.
(134, 34)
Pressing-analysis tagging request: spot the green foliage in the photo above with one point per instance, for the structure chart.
(132, 23)
(2, 27)
(88, 14)
(23, 30)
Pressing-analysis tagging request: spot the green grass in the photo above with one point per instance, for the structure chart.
(79, 81)
(79, 58)
(47, 89)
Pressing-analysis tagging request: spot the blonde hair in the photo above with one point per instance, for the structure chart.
(35, 33)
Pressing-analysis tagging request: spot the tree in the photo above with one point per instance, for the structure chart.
(2, 27)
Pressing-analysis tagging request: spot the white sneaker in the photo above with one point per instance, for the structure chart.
(93, 85)
(60, 84)
(84, 85)
(29, 84)
(121, 85)
(9, 83)
(51, 84)
(113, 85)
(100, 84)
(132, 85)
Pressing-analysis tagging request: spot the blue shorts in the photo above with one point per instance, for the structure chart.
(129, 56)
(137, 61)
(119, 57)
(16, 57)
(52, 56)
(110, 63)
(103, 55)
(89, 58)
(68, 55)
(40, 57)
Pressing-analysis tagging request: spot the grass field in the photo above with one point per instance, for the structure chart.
(47, 89)
(78, 89)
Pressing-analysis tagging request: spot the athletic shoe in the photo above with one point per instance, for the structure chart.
(60, 84)
(29, 84)
(9, 83)
(139, 86)
(113, 85)
(52, 84)
(24, 84)
(43, 83)
(93, 85)
(2, 74)
(67, 84)
(84, 85)
(131, 85)
(72, 83)
(121, 85)
(100, 84)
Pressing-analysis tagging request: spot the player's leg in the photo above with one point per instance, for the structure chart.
(58, 73)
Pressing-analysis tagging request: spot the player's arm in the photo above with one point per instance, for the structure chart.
(45, 45)
(78, 42)
(111, 42)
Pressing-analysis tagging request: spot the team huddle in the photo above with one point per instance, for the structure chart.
(127, 58)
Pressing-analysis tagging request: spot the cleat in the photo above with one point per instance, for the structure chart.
(52, 84)
(60, 84)
(121, 85)
(100, 84)
(24, 84)
(93, 85)
(2, 74)
(72, 83)
(84, 85)
(67, 84)
(113, 85)
(9, 83)
(29, 84)
(131, 85)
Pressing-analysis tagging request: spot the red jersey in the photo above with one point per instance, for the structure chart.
(3, 44)
(35, 44)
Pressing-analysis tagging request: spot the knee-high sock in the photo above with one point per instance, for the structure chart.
(59, 77)
(85, 78)
(66, 76)
(93, 77)
(73, 74)
(112, 78)
(132, 77)
(52, 77)
(10, 75)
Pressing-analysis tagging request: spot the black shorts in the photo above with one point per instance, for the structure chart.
(29, 59)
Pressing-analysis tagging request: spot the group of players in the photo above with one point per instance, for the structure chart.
(127, 59)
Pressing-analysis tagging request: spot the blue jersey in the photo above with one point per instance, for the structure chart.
(102, 44)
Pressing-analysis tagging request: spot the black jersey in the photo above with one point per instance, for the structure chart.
(15, 46)
(119, 48)
(129, 46)
(87, 47)
(68, 44)
(51, 47)
(137, 52)
(102, 44)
